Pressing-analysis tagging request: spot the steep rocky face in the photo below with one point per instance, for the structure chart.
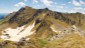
(77, 17)
(24, 15)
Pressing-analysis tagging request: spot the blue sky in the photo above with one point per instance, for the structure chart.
(70, 6)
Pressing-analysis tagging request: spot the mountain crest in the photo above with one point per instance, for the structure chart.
(26, 14)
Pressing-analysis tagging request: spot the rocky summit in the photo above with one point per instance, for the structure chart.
(42, 28)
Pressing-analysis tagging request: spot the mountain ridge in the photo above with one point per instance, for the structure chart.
(49, 27)
(70, 18)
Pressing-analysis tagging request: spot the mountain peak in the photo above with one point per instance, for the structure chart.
(46, 9)
(26, 7)
(37, 27)
(28, 13)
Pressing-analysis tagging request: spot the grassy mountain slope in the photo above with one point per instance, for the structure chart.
(44, 20)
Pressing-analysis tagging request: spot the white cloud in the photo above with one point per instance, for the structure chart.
(55, 3)
(8, 11)
(76, 3)
(82, 2)
(38, 5)
(47, 2)
(77, 9)
(63, 4)
(25, 0)
(35, 1)
(72, 11)
(69, 2)
(20, 4)
(62, 7)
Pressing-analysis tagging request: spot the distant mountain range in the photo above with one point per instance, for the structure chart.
(42, 28)
(2, 15)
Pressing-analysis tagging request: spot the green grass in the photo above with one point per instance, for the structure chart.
(41, 43)
(69, 41)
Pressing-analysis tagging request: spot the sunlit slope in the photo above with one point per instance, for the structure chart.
(68, 41)
(51, 29)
